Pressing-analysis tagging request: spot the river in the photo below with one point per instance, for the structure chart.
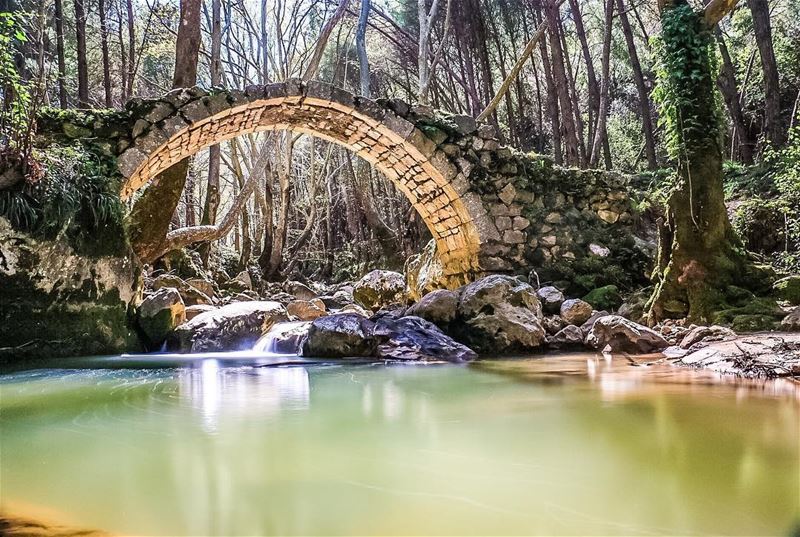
(561, 445)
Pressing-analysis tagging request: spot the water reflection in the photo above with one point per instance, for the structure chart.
(213, 391)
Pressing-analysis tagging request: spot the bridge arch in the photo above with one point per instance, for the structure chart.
(186, 121)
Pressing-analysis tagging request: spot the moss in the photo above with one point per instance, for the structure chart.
(604, 298)
(788, 289)
(756, 315)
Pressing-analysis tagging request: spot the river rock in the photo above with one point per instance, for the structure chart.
(159, 314)
(339, 336)
(197, 309)
(791, 323)
(604, 298)
(414, 338)
(587, 326)
(621, 335)
(236, 326)
(500, 314)
(287, 338)
(191, 295)
(706, 334)
(306, 310)
(355, 308)
(299, 290)
(380, 288)
(439, 307)
(576, 311)
(568, 337)
(551, 298)
(553, 323)
(204, 286)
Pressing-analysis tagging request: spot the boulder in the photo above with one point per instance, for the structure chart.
(299, 290)
(604, 298)
(423, 272)
(159, 314)
(194, 311)
(191, 295)
(618, 334)
(236, 326)
(568, 337)
(244, 278)
(306, 310)
(788, 289)
(791, 323)
(551, 298)
(414, 338)
(355, 308)
(500, 314)
(204, 286)
(553, 323)
(587, 326)
(439, 307)
(380, 288)
(338, 336)
(284, 338)
(576, 311)
(704, 334)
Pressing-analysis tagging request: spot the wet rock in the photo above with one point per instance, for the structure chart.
(551, 298)
(500, 314)
(618, 334)
(236, 326)
(380, 288)
(339, 336)
(285, 338)
(576, 311)
(791, 323)
(604, 298)
(703, 334)
(439, 307)
(414, 338)
(194, 311)
(568, 337)
(159, 314)
(306, 310)
(553, 323)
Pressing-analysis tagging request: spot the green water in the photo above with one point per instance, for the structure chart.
(558, 446)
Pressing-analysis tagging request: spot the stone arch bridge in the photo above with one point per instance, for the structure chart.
(489, 208)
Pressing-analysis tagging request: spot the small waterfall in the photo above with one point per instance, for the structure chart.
(283, 338)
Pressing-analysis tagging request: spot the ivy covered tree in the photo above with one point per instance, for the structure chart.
(700, 256)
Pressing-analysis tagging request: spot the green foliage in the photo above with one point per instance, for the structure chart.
(78, 197)
(685, 91)
(16, 98)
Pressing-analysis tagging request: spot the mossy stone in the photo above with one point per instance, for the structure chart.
(753, 323)
(788, 289)
(604, 298)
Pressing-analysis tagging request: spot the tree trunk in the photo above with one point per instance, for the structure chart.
(152, 212)
(699, 256)
(131, 51)
(104, 50)
(83, 69)
(361, 45)
(730, 93)
(602, 113)
(561, 85)
(62, 68)
(325, 34)
(772, 95)
(638, 78)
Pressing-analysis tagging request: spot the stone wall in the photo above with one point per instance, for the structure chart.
(489, 208)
